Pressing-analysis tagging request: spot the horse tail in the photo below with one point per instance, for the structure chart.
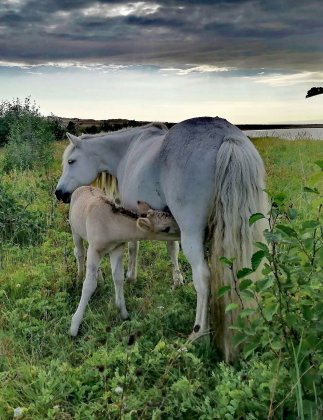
(239, 185)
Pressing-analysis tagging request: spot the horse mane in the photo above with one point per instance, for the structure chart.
(155, 124)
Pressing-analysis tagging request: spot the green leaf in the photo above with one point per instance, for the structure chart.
(264, 284)
(256, 259)
(311, 190)
(287, 230)
(319, 163)
(246, 312)
(315, 178)
(250, 348)
(254, 217)
(292, 213)
(226, 261)
(311, 224)
(263, 247)
(270, 310)
(272, 236)
(231, 307)
(244, 272)
(244, 284)
(247, 295)
(239, 338)
(276, 345)
(266, 270)
(223, 290)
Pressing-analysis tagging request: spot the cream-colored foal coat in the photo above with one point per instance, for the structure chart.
(107, 227)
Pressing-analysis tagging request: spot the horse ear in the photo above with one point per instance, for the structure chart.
(143, 207)
(144, 224)
(73, 139)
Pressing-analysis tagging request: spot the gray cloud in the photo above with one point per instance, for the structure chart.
(243, 34)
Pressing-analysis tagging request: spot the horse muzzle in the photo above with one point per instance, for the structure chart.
(63, 196)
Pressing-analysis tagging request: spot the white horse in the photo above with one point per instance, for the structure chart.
(106, 227)
(209, 175)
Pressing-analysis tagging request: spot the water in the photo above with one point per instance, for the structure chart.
(289, 133)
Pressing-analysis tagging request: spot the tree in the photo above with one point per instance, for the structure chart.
(314, 91)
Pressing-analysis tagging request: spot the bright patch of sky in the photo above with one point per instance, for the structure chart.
(151, 93)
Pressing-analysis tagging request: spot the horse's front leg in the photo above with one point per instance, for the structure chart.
(116, 261)
(89, 286)
(133, 248)
(194, 251)
(173, 250)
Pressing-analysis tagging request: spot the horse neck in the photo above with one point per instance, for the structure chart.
(111, 149)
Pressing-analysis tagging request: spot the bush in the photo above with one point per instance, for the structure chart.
(18, 226)
(10, 112)
(30, 143)
(287, 323)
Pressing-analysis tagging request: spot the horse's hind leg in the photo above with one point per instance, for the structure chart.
(133, 248)
(194, 251)
(173, 250)
(89, 286)
(79, 253)
(116, 261)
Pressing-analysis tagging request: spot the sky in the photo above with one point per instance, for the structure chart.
(247, 61)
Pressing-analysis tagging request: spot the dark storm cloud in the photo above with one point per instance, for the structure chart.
(227, 33)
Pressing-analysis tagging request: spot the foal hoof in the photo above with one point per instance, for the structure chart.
(178, 279)
(130, 279)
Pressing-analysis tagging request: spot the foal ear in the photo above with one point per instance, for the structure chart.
(143, 207)
(144, 224)
(73, 139)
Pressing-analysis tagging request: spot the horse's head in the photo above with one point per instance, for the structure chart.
(79, 168)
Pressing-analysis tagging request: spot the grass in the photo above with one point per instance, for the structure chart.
(139, 369)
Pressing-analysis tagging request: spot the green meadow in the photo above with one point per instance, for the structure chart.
(145, 368)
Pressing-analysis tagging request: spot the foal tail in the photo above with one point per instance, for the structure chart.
(239, 184)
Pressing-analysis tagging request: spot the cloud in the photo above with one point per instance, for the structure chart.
(198, 69)
(225, 34)
(289, 79)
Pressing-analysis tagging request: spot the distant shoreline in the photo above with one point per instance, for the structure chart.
(85, 122)
(276, 126)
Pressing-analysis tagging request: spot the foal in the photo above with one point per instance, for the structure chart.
(106, 227)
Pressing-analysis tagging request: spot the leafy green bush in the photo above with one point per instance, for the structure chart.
(17, 224)
(11, 111)
(287, 322)
(30, 144)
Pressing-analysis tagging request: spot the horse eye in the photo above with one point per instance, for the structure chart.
(70, 161)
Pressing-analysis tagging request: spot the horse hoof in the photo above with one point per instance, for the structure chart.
(73, 332)
(196, 333)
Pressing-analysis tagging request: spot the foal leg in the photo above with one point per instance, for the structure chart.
(116, 261)
(79, 253)
(89, 286)
(173, 250)
(133, 248)
(193, 249)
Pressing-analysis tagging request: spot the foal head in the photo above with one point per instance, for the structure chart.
(156, 221)
(79, 168)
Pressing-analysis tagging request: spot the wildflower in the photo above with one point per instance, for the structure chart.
(18, 412)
